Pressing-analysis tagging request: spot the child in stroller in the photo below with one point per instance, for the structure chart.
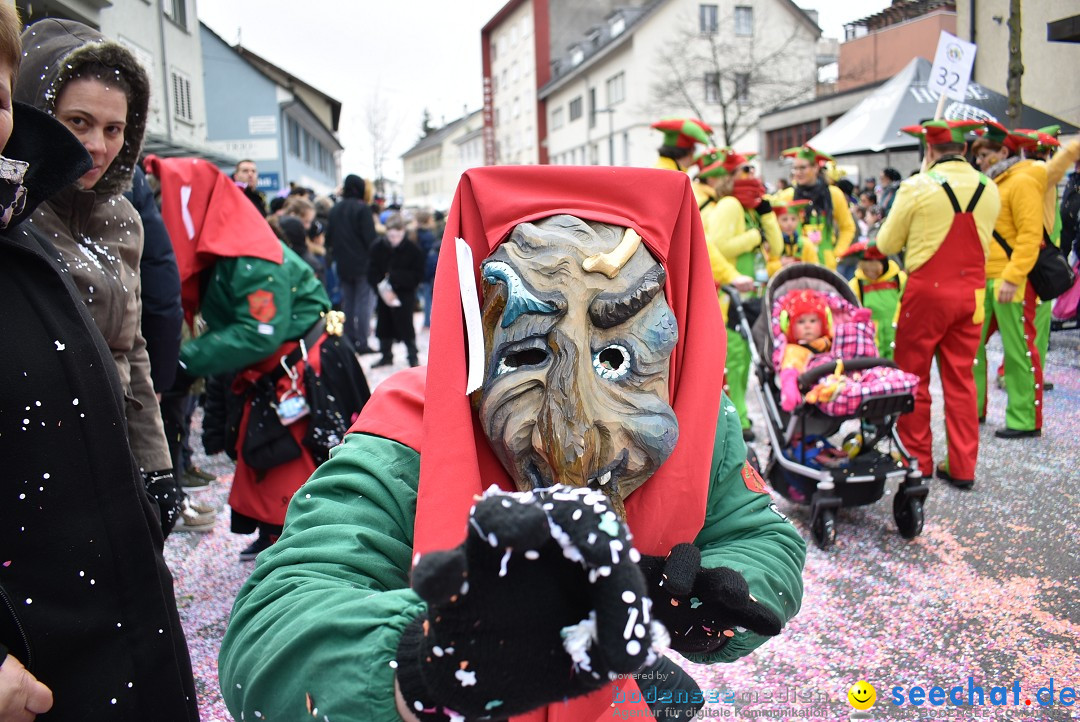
(814, 376)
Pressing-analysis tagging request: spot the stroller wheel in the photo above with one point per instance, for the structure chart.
(908, 513)
(823, 528)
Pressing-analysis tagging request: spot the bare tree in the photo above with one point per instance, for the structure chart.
(1016, 64)
(729, 81)
(382, 129)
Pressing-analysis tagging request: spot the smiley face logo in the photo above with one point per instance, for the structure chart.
(861, 695)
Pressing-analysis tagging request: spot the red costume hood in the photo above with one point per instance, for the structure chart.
(456, 460)
(208, 217)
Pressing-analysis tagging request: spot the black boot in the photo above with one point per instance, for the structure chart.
(410, 347)
(386, 360)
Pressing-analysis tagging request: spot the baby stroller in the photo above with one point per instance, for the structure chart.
(804, 465)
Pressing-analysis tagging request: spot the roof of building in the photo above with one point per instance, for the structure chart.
(436, 137)
(282, 77)
(902, 11)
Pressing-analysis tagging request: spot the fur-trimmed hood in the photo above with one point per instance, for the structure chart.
(55, 51)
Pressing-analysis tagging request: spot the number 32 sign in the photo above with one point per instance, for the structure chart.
(952, 66)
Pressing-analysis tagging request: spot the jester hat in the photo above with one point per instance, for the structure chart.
(683, 132)
(792, 206)
(721, 161)
(939, 132)
(864, 251)
(995, 132)
(808, 154)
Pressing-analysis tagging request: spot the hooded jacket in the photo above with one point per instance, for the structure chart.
(86, 600)
(350, 231)
(98, 232)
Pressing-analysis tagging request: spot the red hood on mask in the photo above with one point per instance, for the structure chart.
(208, 217)
(437, 419)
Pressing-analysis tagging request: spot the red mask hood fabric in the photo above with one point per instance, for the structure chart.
(208, 217)
(456, 460)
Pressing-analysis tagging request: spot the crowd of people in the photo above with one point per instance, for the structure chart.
(495, 534)
(942, 259)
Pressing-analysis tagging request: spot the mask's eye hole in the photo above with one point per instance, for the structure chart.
(612, 362)
(525, 357)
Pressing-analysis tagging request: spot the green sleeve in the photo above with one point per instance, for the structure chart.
(237, 338)
(744, 531)
(323, 611)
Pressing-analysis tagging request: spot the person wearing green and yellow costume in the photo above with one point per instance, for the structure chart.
(741, 225)
(789, 215)
(1010, 302)
(1057, 159)
(878, 284)
(681, 136)
(826, 221)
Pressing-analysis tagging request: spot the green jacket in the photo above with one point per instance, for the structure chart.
(323, 611)
(251, 307)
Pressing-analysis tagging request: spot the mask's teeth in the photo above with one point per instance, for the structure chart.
(605, 478)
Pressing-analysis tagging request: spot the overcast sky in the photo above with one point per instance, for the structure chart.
(410, 54)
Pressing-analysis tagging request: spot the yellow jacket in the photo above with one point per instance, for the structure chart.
(725, 226)
(723, 271)
(842, 220)
(667, 164)
(1056, 168)
(1022, 187)
(921, 214)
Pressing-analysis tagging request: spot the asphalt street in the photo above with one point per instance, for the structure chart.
(988, 596)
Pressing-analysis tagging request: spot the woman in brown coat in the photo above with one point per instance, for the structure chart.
(96, 88)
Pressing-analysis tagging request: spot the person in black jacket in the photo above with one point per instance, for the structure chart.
(86, 600)
(396, 270)
(350, 235)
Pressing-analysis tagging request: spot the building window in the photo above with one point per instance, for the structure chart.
(575, 109)
(782, 138)
(176, 10)
(592, 108)
(712, 88)
(517, 108)
(708, 19)
(294, 137)
(557, 118)
(742, 88)
(616, 89)
(181, 92)
(744, 21)
(625, 148)
(594, 154)
(618, 24)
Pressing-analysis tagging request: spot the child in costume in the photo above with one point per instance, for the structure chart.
(827, 223)
(878, 284)
(788, 215)
(807, 323)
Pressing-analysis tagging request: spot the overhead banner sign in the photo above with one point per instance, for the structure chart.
(952, 66)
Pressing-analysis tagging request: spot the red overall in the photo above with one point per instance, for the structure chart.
(941, 314)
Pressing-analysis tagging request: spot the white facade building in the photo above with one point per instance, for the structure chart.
(603, 97)
(513, 88)
(434, 165)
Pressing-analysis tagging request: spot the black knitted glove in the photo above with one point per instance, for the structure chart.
(763, 207)
(165, 493)
(702, 607)
(542, 602)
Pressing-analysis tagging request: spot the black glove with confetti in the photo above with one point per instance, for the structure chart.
(702, 608)
(542, 602)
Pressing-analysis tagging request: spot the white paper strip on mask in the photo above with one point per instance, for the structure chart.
(470, 304)
(185, 212)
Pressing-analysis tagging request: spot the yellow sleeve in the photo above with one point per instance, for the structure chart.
(723, 272)
(1027, 209)
(893, 233)
(845, 224)
(853, 284)
(727, 229)
(1064, 159)
(774, 237)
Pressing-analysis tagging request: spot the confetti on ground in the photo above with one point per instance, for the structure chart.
(989, 591)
